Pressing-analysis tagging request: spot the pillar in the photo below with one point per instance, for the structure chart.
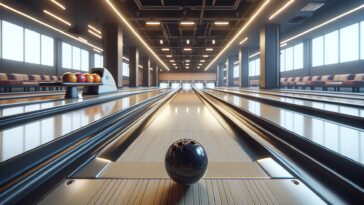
(146, 66)
(156, 75)
(269, 56)
(230, 71)
(113, 51)
(244, 67)
(220, 74)
(133, 66)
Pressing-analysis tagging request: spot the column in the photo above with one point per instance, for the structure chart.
(113, 51)
(269, 56)
(146, 65)
(220, 74)
(230, 71)
(244, 67)
(156, 75)
(133, 66)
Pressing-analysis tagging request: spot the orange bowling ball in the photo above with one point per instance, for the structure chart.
(69, 77)
(97, 78)
(89, 78)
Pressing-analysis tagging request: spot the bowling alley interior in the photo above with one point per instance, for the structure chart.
(182, 102)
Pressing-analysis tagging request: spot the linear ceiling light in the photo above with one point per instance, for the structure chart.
(187, 64)
(213, 41)
(94, 29)
(187, 49)
(47, 25)
(238, 34)
(125, 58)
(187, 60)
(221, 23)
(94, 34)
(165, 49)
(243, 41)
(209, 49)
(187, 23)
(200, 64)
(58, 4)
(174, 64)
(97, 50)
(169, 56)
(135, 33)
(255, 54)
(202, 61)
(325, 23)
(236, 62)
(281, 9)
(83, 40)
(172, 61)
(283, 45)
(205, 56)
(57, 17)
(153, 23)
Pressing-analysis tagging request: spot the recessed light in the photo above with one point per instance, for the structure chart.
(57, 17)
(209, 49)
(165, 49)
(200, 64)
(153, 23)
(205, 56)
(202, 61)
(187, 23)
(169, 56)
(312, 6)
(187, 64)
(213, 41)
(171, 61)
(221, 23)
(161, 41)
(188, 41)
(187, 49)
(187, 60)
(174, 64)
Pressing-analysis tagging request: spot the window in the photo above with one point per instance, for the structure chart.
(66, 55)
(257, 67)
(236, 71)
(349, 43)
(318, 51)
(331, 48)
(362, 40)
(289, 59)
(12, 41)
(85, 60)
(254, 67)
(47, 50)
(298, 56)
(98, 61)
(283, 60)
(125, 69)
(76, 58)
(32, 47)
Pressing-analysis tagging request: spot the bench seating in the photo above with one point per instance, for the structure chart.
(13, 80)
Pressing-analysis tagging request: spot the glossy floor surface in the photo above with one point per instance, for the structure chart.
(19, 139)
(343, 109)
(339, 138)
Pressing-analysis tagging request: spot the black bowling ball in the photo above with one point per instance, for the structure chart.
(186, 161)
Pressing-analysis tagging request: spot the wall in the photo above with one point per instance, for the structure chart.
(187, 76)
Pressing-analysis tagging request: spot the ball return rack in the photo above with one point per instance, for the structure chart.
(71, 88)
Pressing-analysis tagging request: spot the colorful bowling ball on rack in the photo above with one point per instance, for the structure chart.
(81, 78)
(89, 78)
(186, 161)
(69, 77)
(97, 78)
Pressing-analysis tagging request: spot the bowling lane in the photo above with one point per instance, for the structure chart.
(347, 110)
(342, 139)
(22, 108)
(20, 139)
(186, 116)
(344, 100)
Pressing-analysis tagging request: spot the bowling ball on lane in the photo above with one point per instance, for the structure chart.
(69, 77)
(186, 161)
(97, 78)
(89, 78)
(81, 78)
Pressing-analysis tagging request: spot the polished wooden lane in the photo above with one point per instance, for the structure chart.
(342, 139)
(347, 110)
(19, 139)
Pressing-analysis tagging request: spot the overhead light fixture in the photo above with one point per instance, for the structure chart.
(187, 60)
(281, 9)
(200, 64)
(125, 58)
(153, 23)
(312, 7)
(57, 17)
(165, 49)
(255, 54)
(283, 45)
(187, 67)
(236, 62)
(83, 40)
(123, 19)
(174, 64)
(97, 50)
(202, 61)
(187, 23)
(58, 4)
(198, 67)
(94, 34)
(172, 61)
(161, 41)
(188, 41)
(238, 33)
(213, 41)
(187, 49)
(221, 23)
(94, 29)
(176, 67)
(47, 25)
(243, 41)
(209, 49)
(187, 64)
(169, 56)
(324, 23)
(205, 56)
